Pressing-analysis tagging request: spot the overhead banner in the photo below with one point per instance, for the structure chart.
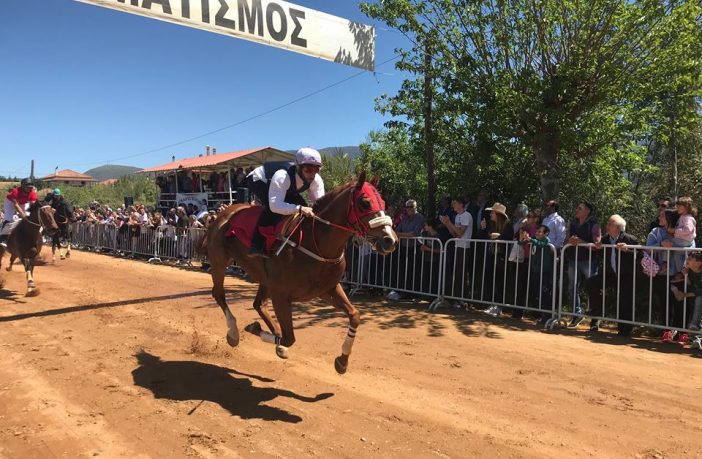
(272, 22)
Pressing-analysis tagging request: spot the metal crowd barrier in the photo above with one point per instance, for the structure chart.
(628, 294)
(162, 244)
(502, 274)
(487, 272)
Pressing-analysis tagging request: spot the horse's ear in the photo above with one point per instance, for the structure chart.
(361, 180)
(375, 180)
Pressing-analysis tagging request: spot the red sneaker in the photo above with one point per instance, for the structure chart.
(682, 339)
(669, 336)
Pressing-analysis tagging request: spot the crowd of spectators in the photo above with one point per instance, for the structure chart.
(499, 259)
(188, 181)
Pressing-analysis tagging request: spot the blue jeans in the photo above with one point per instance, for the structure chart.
(584, 271)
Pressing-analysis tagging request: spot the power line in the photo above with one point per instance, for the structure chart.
(238, 123)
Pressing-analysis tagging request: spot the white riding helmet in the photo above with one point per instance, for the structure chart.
(307, 155)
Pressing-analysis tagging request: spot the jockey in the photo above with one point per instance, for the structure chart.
(16, 205)
(278, 185)
(54, 198)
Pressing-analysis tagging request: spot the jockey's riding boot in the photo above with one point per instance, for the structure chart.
(257, 249)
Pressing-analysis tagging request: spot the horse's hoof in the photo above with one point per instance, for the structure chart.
(254, 328)
(231, 341)
(281, 351)
(9, 268)
(68, 255)
(339, 366)
(32, 292)
(62, 257)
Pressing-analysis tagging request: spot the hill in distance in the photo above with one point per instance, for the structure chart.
(111, 171)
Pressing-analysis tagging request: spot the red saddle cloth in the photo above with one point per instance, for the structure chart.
(242, 224)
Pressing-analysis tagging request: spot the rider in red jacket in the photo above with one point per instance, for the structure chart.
(16, 203)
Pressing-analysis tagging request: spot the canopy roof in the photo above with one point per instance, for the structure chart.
(223, 161)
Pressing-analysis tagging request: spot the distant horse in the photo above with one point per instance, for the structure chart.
(311, 270)
(25, 240)
(64, 217)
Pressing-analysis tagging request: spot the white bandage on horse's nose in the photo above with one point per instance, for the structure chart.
(383, 220)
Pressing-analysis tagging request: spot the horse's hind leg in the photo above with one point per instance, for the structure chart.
(69, 240)
(339, 299)
(12, 261)
(219, 295)
(260, 304)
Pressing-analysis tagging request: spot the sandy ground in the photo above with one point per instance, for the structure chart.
(119, 358)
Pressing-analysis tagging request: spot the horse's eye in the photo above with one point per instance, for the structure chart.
(364, 204)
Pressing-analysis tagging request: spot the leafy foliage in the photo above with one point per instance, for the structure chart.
(141, 187)
(537, 99)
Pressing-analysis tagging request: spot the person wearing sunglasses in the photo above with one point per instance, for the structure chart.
(279, 185)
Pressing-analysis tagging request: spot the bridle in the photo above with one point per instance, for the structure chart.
(41, 227)
(354, 218)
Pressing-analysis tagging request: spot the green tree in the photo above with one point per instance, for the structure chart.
(575, 85)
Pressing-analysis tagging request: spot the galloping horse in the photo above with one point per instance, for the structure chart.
(311, 270)
(25, 241)
(64, 218)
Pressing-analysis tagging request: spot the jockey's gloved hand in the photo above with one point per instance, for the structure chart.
(306, 211)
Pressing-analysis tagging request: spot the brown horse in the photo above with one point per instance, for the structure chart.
(25, 241)
(311, 270)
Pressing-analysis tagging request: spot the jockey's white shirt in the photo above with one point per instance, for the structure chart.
(9, 211)
(280, 184)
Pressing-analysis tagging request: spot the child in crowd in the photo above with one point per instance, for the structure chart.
(694, 279)
(541, 267)
(684, 234)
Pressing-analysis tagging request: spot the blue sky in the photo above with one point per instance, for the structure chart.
(82, 86)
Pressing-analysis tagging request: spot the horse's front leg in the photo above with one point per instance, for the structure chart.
(217, 271)
(29, 271)
(338, 298)
(69, 240)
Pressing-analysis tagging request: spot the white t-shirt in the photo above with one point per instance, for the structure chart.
(464, 220)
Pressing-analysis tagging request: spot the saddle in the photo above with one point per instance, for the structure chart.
(243, 223)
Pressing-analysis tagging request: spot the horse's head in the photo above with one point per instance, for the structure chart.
(367, 211)
(45, 217)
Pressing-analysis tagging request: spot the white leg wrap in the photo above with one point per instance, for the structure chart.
(348, 342)
(268, 337)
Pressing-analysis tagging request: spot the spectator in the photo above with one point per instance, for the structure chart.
(518, 269)
(583, 230)
(667, 221)
(683, 236)
(617, 274)
(556, 224)
(663, 204)
(431, 255)
(411, 226)
(499, 229)
(541, 265)
(458, 254)
(694, 278)
(446, 209)
(481, 216)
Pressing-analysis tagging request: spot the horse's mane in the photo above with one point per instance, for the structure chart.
(329, 197)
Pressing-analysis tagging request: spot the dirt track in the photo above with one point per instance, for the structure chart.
(118, 358)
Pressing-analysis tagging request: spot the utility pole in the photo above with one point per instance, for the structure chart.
(428, 128)
(31, 173)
